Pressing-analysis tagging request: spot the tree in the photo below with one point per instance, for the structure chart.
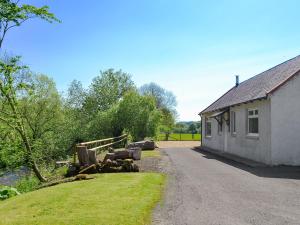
(165, 102)
(164, 99)
(43, 118)
(192, 128)
(11, 89)
(107, 89)
(12, 14)
(137, 115)
(76, 95)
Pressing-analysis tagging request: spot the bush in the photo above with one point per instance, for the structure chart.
(8, 192)
(27, 184)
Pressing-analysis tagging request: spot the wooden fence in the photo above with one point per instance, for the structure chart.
(93, 148)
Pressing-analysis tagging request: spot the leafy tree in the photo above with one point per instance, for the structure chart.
(192, 128)
(164, 99)
(10, 90)
(165, 102)
(43, 115)
(107, 89)
(138, 115)
(76, 95)
(14, 14)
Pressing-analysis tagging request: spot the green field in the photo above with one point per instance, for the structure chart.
(180, 137)
(116, 199)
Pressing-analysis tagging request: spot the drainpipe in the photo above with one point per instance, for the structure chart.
(201, 122)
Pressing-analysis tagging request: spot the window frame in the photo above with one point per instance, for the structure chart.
(207, 120)
(253, 116)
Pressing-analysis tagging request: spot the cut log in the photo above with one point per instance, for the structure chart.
(88, 168)
(110, 156)
(135, 153)
(92, 157)
(144, 145)
(122, 155)
(83, 155)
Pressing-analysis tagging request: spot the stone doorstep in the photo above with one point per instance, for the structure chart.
(248, 162)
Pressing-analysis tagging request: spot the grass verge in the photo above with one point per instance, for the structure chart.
(150, 153)
(122, 198)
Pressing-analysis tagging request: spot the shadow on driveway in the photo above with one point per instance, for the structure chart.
(285, 172)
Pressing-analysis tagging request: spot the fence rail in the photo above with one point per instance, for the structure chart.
(100, 144)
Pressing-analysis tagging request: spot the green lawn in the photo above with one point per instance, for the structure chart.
(150, 153)
(110, 199)
(182, 137)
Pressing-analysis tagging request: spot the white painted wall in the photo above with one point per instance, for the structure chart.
(258, 148)
(216, 141)
(285, 116)
(254, 148)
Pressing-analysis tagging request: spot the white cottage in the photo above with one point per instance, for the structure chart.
(258, 119)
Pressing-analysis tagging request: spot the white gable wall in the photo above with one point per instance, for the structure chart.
(285, 118)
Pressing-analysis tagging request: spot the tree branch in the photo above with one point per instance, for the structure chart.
(8, 123)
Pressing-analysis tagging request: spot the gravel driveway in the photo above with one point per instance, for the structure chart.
(206, 189)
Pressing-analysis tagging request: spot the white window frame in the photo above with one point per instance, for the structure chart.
(233, 122)
(248, 121)
(208, 121)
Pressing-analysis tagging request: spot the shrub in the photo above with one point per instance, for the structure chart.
(8, 192)
(27, 184)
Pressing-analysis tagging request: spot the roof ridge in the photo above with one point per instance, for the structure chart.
(258, 86)
(270, 68)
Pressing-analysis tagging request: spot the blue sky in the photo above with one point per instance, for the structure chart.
(193, 48)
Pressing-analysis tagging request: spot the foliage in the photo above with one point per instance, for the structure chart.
(145, 121)
(12, 87)
(164, 99)
(8, 192)
(132, 196)
(27, 184)
(107, 89)
(12, 14)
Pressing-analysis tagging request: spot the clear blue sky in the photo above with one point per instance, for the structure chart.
(193, 48)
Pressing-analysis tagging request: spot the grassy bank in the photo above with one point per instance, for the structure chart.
(180, 137)
(124, 198)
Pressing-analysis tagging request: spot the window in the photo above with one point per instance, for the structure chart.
(253, 121)
(207, 128)
(233, 122)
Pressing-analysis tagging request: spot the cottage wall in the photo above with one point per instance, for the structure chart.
(241, 144)
(254, 148)
(285, 118)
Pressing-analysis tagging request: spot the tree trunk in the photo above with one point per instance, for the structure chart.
(31, 160)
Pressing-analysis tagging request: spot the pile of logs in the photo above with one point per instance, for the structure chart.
(114, 161)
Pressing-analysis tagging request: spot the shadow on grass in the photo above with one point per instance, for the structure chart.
(284, 172)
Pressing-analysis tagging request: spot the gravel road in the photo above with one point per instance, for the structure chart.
(206, 189)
